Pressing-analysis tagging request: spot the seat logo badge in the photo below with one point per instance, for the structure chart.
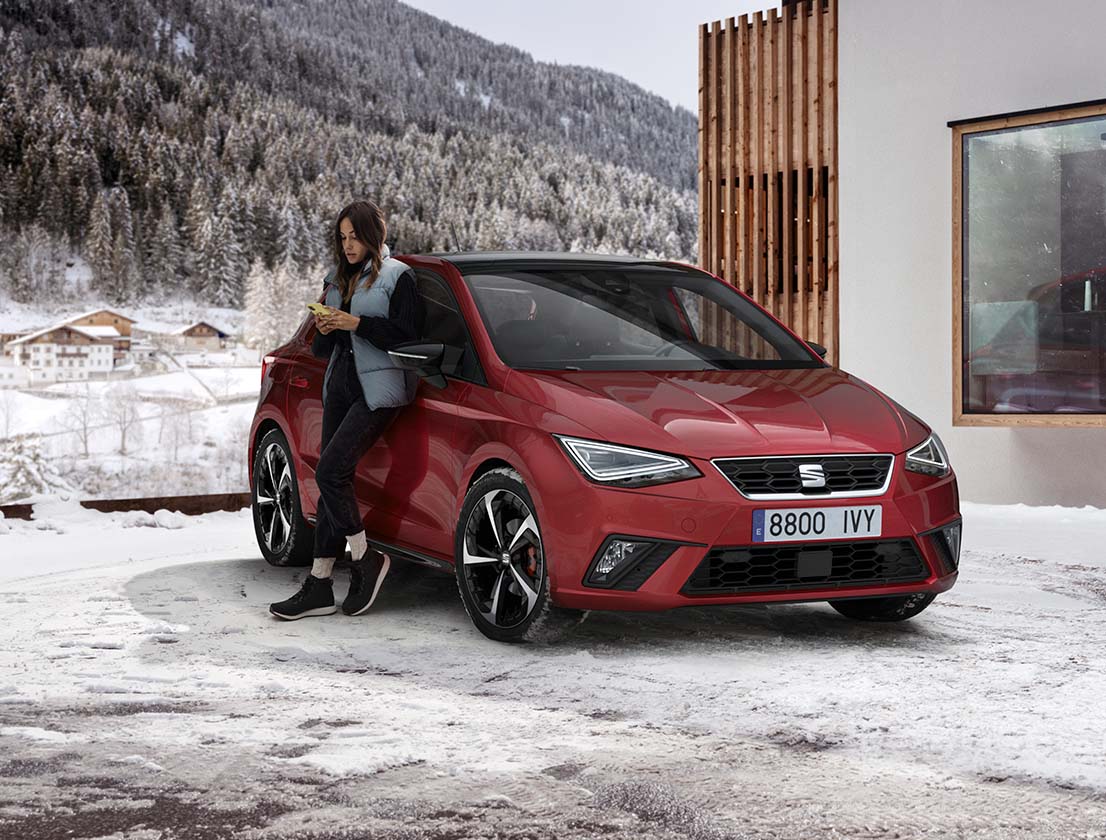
(812, 476)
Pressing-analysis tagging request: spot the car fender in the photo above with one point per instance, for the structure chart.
(497, 451)
(527, 440)
(264, 415)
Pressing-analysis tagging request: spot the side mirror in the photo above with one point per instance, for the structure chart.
(817, 348)
(428, 359)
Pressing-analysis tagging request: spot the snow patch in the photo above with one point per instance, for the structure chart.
(183, 45)
(138, 761)
(37, 733)
(358, 756)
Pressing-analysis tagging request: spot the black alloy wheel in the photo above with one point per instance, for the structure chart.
(501, 563)
(284, 536)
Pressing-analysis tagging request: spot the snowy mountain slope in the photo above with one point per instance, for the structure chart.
(381, 64)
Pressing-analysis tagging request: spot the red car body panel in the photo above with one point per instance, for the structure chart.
(412, 483)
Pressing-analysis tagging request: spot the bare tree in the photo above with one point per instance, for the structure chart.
(123, 412)
(232, 454)
(226, 380)
(7, 413)
(80, 418)
(178, 431)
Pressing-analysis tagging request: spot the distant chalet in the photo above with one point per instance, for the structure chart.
(93, 344)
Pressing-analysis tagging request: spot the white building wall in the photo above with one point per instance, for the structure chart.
(906, 70)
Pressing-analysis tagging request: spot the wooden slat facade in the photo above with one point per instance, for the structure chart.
(768, 167)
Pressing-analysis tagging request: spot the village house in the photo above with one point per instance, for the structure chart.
(63, 353)
(197, 336)
(108, 324)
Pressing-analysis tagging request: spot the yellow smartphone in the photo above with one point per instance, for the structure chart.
(318, 308)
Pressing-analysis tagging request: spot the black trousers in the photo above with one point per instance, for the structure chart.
(350, 428)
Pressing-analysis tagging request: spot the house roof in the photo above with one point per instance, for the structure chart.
(96, 331)
(55, 328)
(222, 333)
(97, 312)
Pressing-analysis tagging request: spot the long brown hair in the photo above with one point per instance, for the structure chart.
(368, 223)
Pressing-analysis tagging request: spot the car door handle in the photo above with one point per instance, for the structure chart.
(299, 382)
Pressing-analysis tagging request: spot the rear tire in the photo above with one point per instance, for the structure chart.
(283, 535)
(891, 608)
(498, 542)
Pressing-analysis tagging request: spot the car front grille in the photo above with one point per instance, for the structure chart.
(780, 477)
(791, 566)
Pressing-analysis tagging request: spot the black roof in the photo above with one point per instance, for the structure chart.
(464, 257)
(471, 262)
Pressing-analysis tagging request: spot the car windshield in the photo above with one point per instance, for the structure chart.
(628, 317)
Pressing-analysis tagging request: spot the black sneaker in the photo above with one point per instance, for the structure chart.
(365, 577)
(316, 597)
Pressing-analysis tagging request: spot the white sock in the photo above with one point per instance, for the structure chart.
(322, 567)
(357, 545)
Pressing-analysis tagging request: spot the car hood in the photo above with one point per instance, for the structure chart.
(708, 414)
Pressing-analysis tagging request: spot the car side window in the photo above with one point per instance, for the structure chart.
(445, 323)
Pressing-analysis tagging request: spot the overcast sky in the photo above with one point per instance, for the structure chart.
(653, 43)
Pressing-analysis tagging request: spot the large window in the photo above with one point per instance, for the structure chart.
(1030, 269)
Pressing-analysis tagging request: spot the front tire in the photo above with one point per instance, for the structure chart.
(500, 564)
(891, 608)
(283, 535)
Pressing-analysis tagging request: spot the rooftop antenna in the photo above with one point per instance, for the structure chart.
(453, 230)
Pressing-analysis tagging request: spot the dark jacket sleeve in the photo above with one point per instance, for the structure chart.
(406, 316)
(322, 345)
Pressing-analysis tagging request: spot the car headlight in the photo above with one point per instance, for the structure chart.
(622, 466)
(929, 457)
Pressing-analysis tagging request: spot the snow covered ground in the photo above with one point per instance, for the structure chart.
(188, 436)
(172, 450)
(145, 692)
(193, 421)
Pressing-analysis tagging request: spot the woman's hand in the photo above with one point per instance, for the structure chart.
(336, 319)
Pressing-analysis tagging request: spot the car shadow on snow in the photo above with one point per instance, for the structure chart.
(231, 598)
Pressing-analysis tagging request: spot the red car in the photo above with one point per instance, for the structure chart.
(603, 432)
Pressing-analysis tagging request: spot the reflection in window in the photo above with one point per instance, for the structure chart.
(1034, 268)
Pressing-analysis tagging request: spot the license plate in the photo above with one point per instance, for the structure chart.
(832, 523)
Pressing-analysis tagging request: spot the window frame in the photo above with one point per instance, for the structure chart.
(961, 130)
(480, 378)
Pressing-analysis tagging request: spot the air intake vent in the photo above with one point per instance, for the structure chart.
(806, 566)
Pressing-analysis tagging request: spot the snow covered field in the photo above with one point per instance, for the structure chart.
(145, 692)
(171, 451)
(187, 433)
(186, 429)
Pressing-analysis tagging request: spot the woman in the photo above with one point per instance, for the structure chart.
(374, 305)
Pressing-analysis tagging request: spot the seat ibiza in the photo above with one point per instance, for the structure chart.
(610, 433)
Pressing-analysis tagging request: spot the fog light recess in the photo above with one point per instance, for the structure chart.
(951, 535)
(946, 540)
(624, 562)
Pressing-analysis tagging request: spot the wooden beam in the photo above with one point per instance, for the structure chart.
(817, 274)
(704, 115)
(833, 327)
(787, 158)
(729, 217)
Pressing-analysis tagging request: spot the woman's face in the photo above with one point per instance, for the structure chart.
(353, 247)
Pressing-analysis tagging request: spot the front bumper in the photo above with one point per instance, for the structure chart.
(708, 518)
